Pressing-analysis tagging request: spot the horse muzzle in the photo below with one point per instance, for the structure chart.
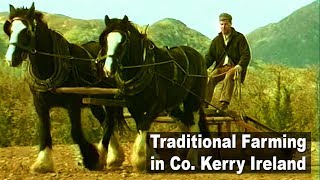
(107, 66)
(109, 74)
(15, 60)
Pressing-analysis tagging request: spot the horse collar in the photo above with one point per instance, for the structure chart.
(144, 76)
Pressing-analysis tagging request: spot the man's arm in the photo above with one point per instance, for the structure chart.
(209, 57)
(244, 50)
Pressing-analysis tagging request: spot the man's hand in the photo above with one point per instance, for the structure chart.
(238, 70)
(211, 68)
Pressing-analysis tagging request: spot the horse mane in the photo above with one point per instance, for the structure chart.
(39, 17)
(24, 12)
(133, 28)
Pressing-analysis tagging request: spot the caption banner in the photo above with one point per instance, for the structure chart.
(230, 152)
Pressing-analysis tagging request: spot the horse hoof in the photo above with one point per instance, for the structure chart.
(114, 164)
(115, 160)
(138, 164)
(41, 168)
(141, 167)
(95, 167)
(92, 159)
(99, 167)
(44, 162)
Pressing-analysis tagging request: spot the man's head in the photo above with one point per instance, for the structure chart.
(225, 21)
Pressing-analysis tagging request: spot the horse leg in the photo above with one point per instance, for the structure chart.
(89, 152)
(177, 115)
(111, 145)
(192, 155)
(44, 162)
(195, 115)
(141, 148)
(139, 151)
(115, 153)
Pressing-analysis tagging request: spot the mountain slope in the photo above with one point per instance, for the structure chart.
(293, 41)
(76, 30)
(166, 32)
(171, 32)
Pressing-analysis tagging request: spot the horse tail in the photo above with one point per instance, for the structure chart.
(120, 124)
(203, 126)
(110, 118)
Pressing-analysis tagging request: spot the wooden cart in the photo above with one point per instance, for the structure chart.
(223, 123)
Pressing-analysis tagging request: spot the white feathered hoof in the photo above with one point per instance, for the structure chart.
(115, 158)
(41, 168)
(138, 158)
(44, 162)
(138, 164)
(139, 150)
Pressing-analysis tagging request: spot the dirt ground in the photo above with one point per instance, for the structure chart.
(16, 161)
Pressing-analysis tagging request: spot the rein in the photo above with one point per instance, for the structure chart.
(164, 62)
(161, 63)
(34, 52)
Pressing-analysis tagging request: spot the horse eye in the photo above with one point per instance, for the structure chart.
(25, 37)
(7, 28)
(124, 39)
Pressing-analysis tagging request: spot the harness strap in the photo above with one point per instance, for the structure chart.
(62, 67)
(187, 62)
(143, 78)
(176, 66)
(96, 76)
(88, 53)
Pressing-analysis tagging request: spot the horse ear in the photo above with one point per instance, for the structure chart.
(146, 29)
(12, 9)
(106, 20)
(125, 18)
(31, 10)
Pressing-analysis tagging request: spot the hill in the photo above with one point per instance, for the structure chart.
(171, 32)
(293, 41)
(167, 32)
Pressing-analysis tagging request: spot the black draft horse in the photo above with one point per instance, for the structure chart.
(29, 36)
(153, 80)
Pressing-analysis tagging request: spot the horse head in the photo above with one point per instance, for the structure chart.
(118, 40)
(114, 42)
(20, 28)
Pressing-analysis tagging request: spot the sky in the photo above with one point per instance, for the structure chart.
(200, 15)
